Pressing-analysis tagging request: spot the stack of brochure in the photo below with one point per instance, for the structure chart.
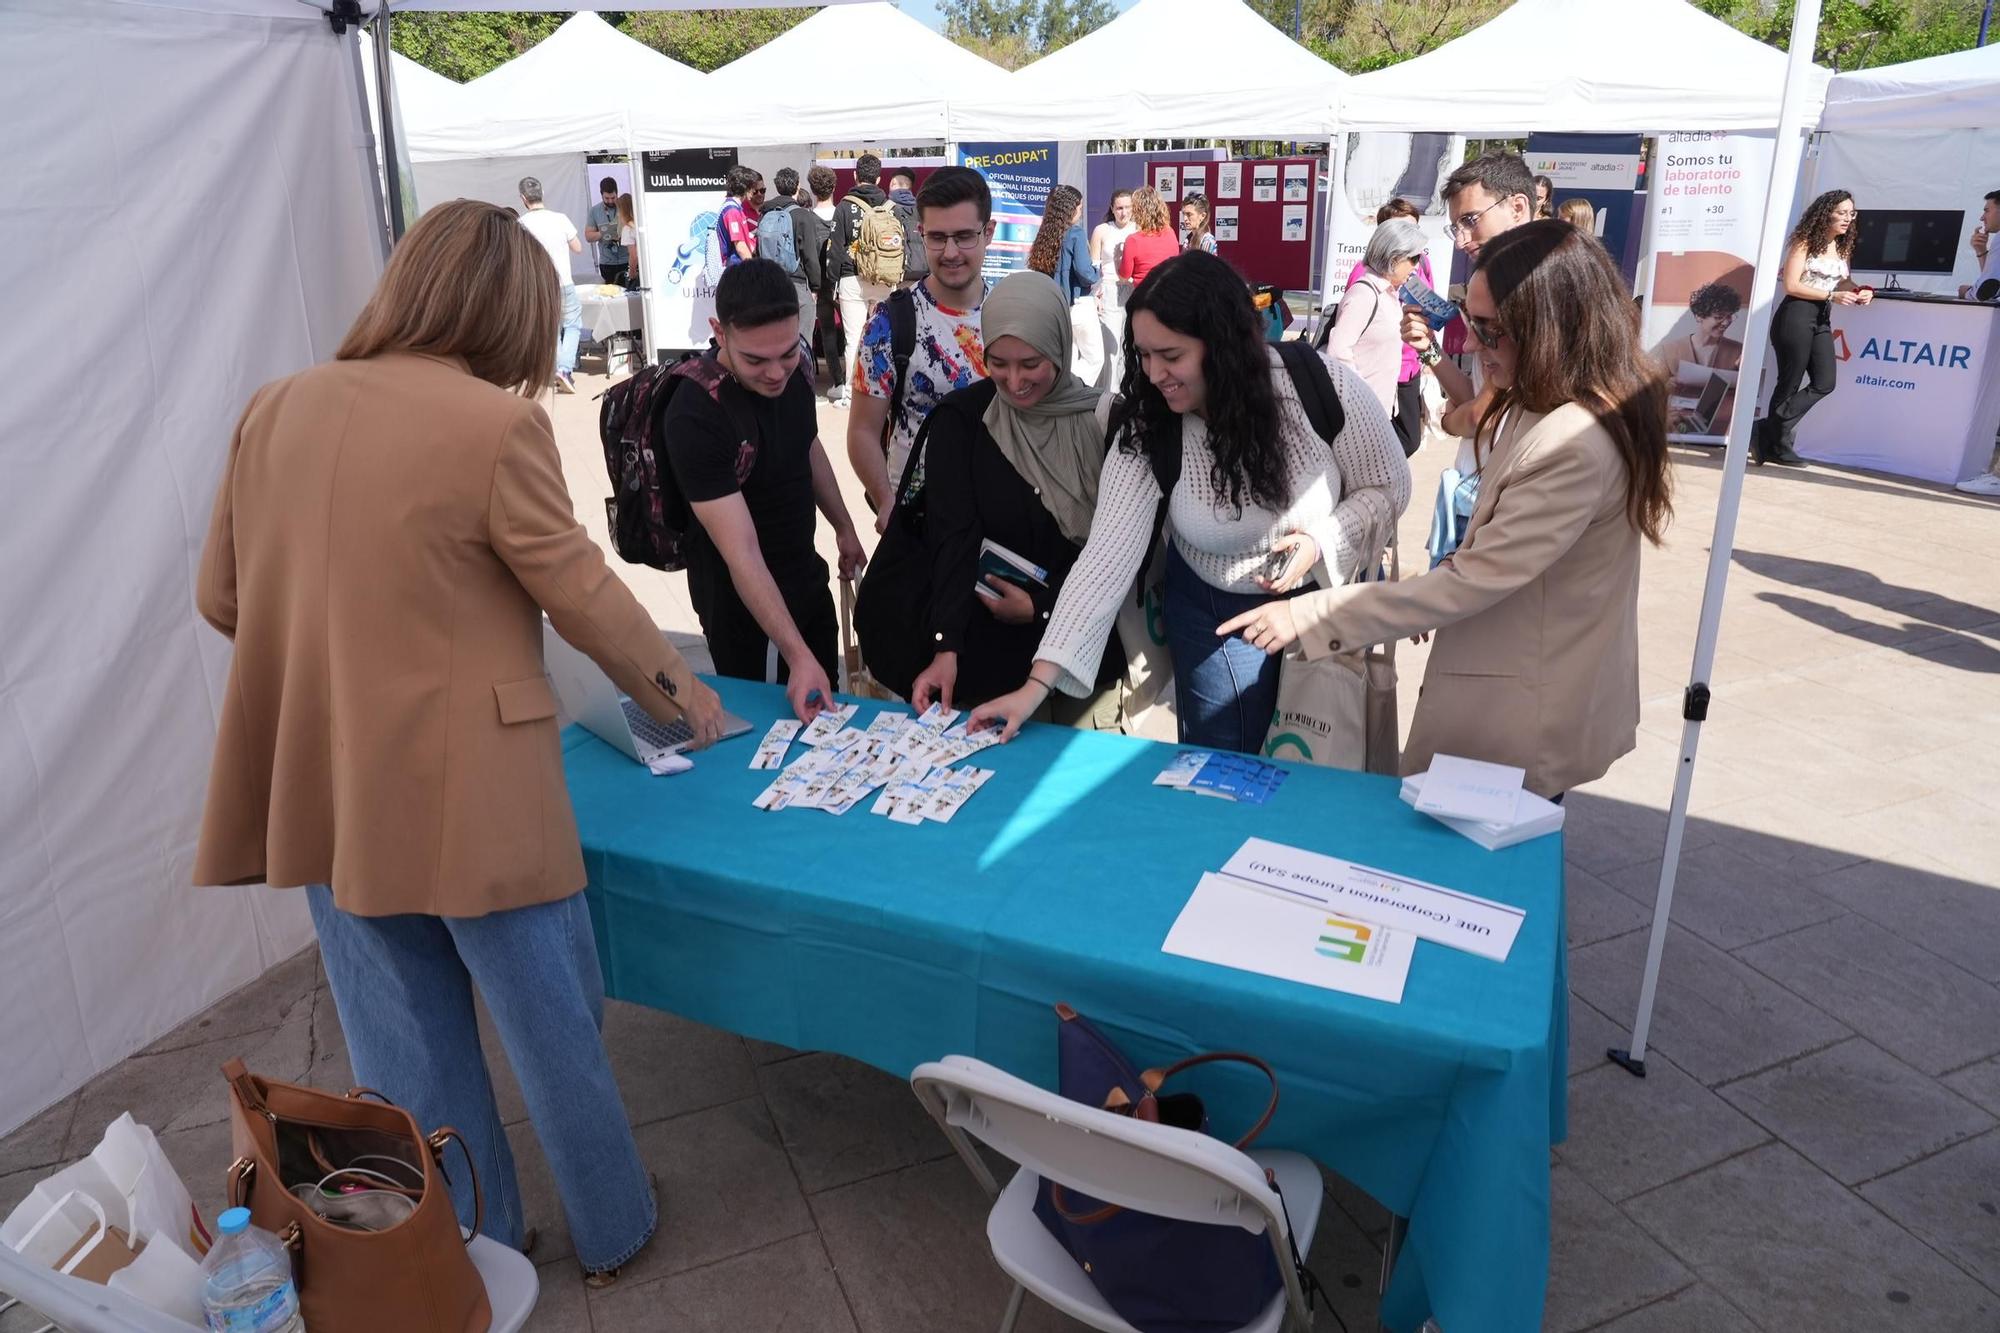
(1483, 802)
(905, 762)
(1233, 777)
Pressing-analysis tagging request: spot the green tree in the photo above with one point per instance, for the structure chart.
(708, 39)
(465, 46)
(1362, 35)
(1861, 34)
(1011, 33)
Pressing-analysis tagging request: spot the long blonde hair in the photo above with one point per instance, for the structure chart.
(626, 217)
(466, 281)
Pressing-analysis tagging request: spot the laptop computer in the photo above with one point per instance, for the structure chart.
(588, 696)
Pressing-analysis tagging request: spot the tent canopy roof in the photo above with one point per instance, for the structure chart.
(1164, 69)
(1633, 66)
(784, 92)
(570, 92)
(1951, 92)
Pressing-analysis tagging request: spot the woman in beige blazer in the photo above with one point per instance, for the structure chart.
(1536, 661)
(389, 530)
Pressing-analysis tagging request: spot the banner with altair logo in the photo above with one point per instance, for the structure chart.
(1707, 197)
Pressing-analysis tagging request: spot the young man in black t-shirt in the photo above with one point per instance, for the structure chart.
(758, 585)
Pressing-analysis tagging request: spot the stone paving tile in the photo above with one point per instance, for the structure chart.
(1913, 1004)
(1714, 1016)
(1953, 917)
(1787, 1245)
(1851, 723)
(910, 1249)
(1600, 1264)
(1593, 910)
(1855, 1111)
(665, 1065)
(1628, 1135)
(40, 1141)
(562, 1307)
(284, 1053)
(331, 1068)
(256, 1007)
(1979, 1084)
(1970, 768)
(1804, 767)
(1727, 898)
(789, 1286)
(844, 1121)
(201, 1158)
(1348, 1264)
(768, 1052)
(159, 1089)
(1952, 1202)
(1591, 1034)
(1602, 834)
(1695, 1309)
(1795, 836)
(1962, 835)
(726, 1187)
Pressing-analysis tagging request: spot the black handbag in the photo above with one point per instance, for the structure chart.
(892, 605)
(1162, 1275)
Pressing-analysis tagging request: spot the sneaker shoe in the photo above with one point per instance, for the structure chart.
(833, 395)
(565, 382)
(1986, 483)
(846, 398)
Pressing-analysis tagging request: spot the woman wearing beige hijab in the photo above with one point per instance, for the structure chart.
(1012, 461)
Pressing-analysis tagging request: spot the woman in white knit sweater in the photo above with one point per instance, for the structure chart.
(1261, 501)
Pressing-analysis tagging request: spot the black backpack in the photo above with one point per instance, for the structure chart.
(902, 308)
(646, 512)
(1316, 394)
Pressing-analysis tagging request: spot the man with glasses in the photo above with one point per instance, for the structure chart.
(1484, 198)
(895, 389)
(601, 230)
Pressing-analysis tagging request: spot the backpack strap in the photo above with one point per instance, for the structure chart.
(902, 310)
(1163, 455)
(1325, 333)
(706, 370)
(1315, 388)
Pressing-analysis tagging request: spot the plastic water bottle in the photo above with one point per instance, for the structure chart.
(247, 1280)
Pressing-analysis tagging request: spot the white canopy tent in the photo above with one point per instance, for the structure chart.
(186, 117)
(1636, 66)
(1958, 91)
(1164, 69)
(787, 91)
(426, 97)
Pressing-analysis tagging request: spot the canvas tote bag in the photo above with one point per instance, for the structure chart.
(1339, 711)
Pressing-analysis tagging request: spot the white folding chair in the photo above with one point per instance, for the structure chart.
(1146, 1167)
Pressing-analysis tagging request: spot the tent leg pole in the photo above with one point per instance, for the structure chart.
(385, 97)
(1786, 154)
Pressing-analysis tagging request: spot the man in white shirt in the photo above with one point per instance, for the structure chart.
(558, 236)
(1987, 288)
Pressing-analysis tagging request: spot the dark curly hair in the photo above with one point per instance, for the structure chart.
(1199, 296)
(1714, 298)
(1815, 229)
(1062, 204)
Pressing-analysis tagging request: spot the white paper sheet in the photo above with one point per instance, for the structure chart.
(1472, 789)
(1253, 929)
(1428, 911)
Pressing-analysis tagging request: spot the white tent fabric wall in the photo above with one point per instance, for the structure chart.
(1940, 169)
(1596, 66)
(791, 87)
(423, 94)
(1167, 69)
(234, 234)
(566, 187)
(1958, 91)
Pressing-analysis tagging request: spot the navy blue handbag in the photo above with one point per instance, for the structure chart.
(1162, 1275)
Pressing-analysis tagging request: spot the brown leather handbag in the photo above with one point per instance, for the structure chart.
(415, 1276)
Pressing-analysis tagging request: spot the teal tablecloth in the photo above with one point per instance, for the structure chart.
(896, 944)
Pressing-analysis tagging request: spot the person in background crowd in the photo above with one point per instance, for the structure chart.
(1153, 241)
(390, 527)
(1367, 331)
(601, 230)
(903, 194)
(1107, 244)
(1815, 280)
(1536, 661)
(778, 240)
(735, 224)
(1260, 501)
(628, 237)
(1408, 417)
(1486, 198)
(1197, 224)
(857, 296)
(1545, 190)
(558, 238)
(1987, 288)
(1062, 252)
(756, 582)
(955, 213)
(815, 227)
(1579, 213)
(1013, 459)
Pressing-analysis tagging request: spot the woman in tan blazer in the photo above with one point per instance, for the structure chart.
(389, 530)
(1536, 662)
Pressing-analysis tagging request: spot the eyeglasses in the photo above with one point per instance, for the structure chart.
(964, 240)
(1463, 227)
(1488, 331)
